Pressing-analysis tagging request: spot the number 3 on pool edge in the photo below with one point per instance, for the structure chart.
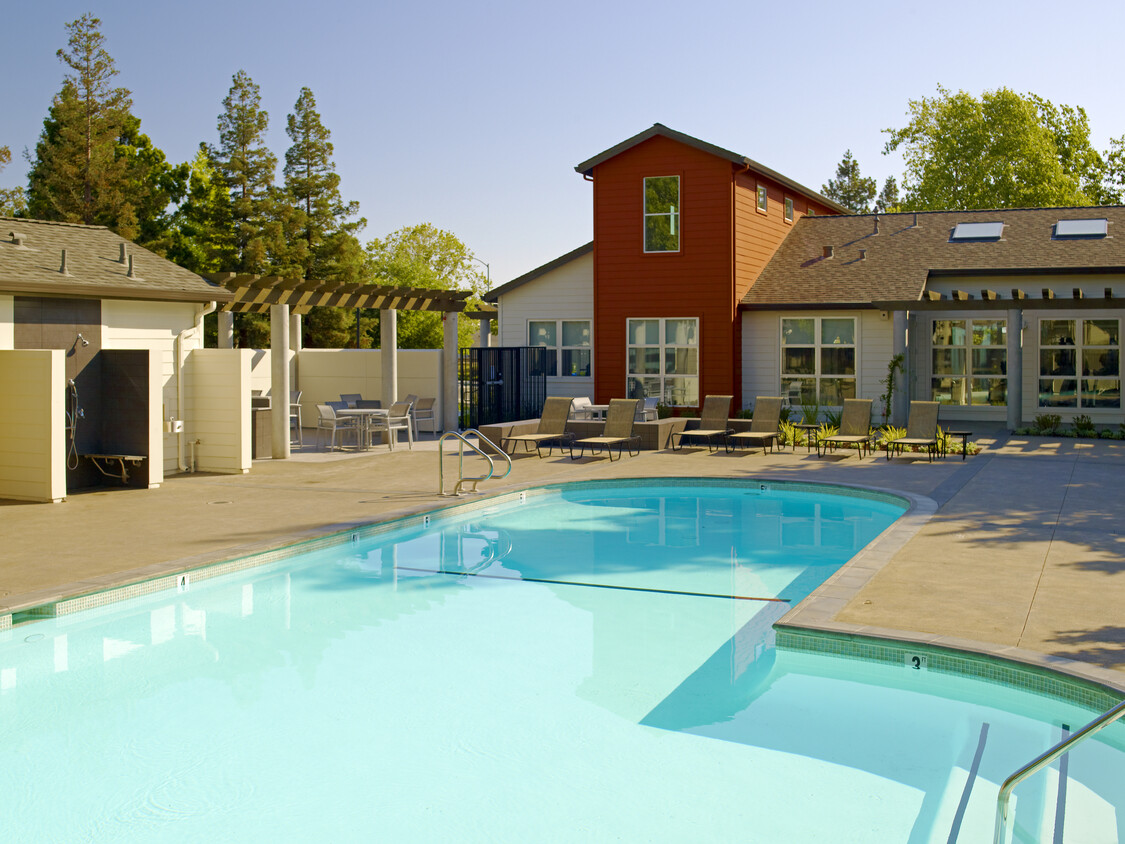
(916, 661)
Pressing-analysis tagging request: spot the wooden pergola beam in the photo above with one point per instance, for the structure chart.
(255, 294)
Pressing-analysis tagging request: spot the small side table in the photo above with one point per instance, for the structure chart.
(810, 431)
(964, 435)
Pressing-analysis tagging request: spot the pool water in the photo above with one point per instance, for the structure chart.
(570, 668)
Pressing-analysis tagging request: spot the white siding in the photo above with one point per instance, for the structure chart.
(566, 292)
(32, 425)
(761, 352)
(219, 399)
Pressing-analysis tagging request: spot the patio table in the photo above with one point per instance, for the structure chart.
(598, 410)
(364, 416)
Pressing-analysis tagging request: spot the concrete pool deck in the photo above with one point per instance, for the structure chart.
(1023, 556)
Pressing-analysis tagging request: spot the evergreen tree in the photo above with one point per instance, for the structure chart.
(322, 237)
(201, 238)
(887, 202)
(12, 200)
(849, 188)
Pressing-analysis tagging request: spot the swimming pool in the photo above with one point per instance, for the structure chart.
(584, 663)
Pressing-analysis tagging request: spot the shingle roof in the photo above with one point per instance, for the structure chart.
(31, 258)
(904, 253)
(587, 167)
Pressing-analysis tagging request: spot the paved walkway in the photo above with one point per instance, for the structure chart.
(1024, 551)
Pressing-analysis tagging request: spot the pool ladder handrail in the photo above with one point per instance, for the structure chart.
(1045, 759)
(458, 488)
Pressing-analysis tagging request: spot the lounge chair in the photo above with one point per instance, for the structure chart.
(921, 429)
(714, 424)
(618, 431)
(855, 428)
(763, 425)
(551, 430)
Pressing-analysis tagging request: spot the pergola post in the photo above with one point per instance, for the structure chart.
(900, 402)
(388, 355)
(484, 339)
(279, 374)
(226, 329)
(449, 402)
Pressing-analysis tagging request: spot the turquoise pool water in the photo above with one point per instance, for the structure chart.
(594, 664)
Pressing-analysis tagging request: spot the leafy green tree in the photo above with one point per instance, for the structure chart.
(201, 237)
(1114, 184)
(849, 188)
(1003, 150)
(888, 201)
(12, 200)
(425, 256)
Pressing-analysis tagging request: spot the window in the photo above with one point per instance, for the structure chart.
(1081, 228)
(977, 231)
(818, 360)
(1079, 353)
(969, 362)
(663, 360)
(662, 214)
(762, 199)
(571, 357)
(788, 210)
(811, 212)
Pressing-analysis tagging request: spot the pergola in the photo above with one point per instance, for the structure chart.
(286, 299)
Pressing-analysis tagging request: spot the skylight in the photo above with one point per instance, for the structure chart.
(977, 231)
(1081, 228)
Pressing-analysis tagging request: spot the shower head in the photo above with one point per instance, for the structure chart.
(82, 340)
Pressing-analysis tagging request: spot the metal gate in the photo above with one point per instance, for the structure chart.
(502, 384)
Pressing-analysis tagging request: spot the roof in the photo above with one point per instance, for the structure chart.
(494, 295)
(31, 263)
(910, 248)
(586, 168)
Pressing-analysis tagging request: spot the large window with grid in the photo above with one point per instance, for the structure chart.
(568, 339)
(663, 360)
(1079, 363)
(662, 214)
(818, 360)
(969, 361)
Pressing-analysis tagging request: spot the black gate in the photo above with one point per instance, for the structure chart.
(502, 384)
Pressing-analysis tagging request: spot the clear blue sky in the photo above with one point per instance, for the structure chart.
(472, 116)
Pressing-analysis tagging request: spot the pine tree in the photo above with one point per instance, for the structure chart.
(849, 188)
(887, 202)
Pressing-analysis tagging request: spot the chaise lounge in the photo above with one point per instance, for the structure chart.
(618, 431)
(763, 425)
(855, 428)
(551, 431)
(921, 429)
(713, 427)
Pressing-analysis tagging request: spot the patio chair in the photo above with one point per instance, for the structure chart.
(551, 431)
(647, 412)
(855, 428)
(424, 412)
(413, 399)
(618, 431)
(350, 398)
(398, 419)
(921, 429)
(295, 416)
(327, 420)
(579, 408)
(763, 426)
(713, 424)
(368, 404)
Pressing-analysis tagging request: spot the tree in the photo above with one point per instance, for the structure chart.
(320, 232)
(12, 200)
(1003, 150)
(200, 237)
(849, 188)
(425, 256)
(887, 202)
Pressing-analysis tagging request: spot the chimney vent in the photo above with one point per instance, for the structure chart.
(121, 260)
(829, 251)
(131, 273)
(915, 219)
(62, 267)
(876, 224)
(18, 239)
(863, 254)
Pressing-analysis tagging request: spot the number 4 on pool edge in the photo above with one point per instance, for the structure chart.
(916, 662)
(183, 583)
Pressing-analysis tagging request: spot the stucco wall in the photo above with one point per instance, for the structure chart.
(566, 292)
(32, 425)
(327, 373)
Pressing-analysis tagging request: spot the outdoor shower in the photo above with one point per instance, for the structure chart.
(73, 414)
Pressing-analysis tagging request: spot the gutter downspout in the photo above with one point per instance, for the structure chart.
(209, 308)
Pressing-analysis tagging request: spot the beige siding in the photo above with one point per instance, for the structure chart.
(566, 292)
(7, 322)
(32, 425)
(328, 373)
(219, 398)
(761, 351)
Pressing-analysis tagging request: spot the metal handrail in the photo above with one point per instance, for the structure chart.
(457, 488)
(1045, 759)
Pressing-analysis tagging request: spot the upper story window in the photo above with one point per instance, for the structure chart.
(762, 199)
(662, 214)
(788, 210)
(568, 344)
